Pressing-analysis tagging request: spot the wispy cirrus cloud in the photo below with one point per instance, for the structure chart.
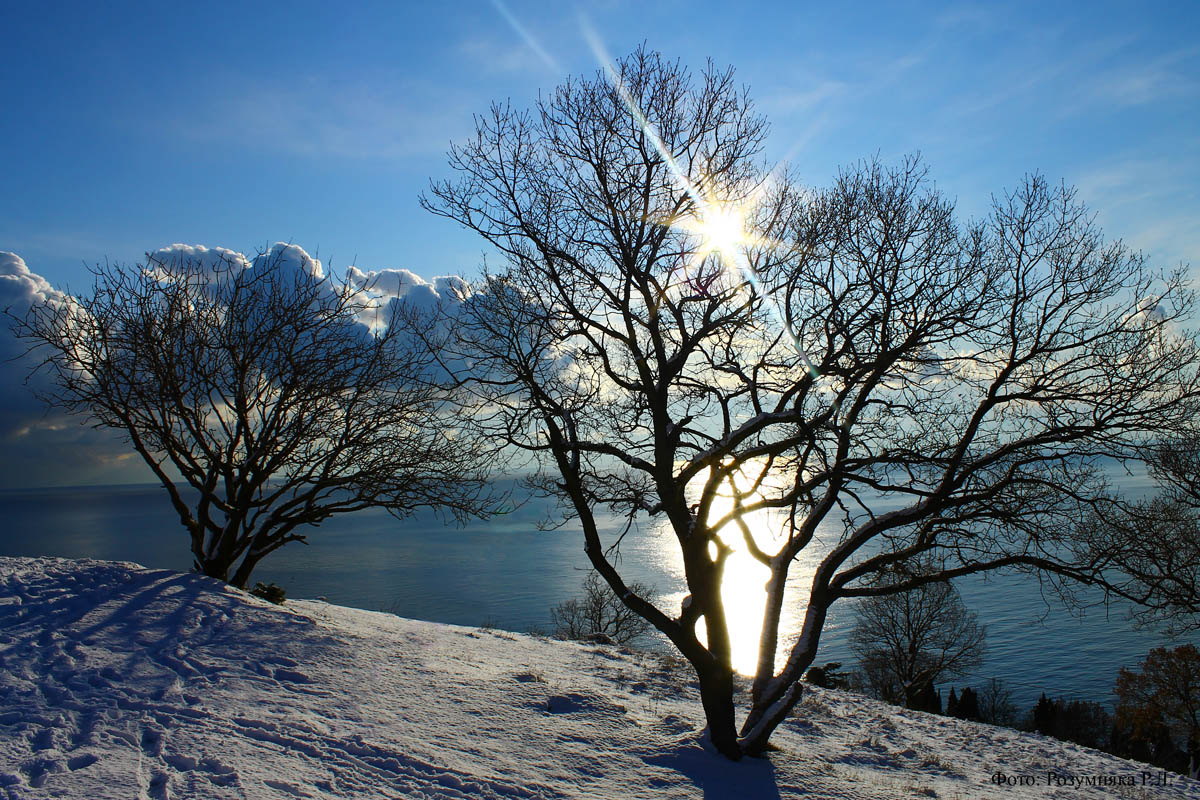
(1149, 202)
(1170, 76)
(387, 117)
(501, 53)
(806, 97)
(971, 15)
(1099, 76)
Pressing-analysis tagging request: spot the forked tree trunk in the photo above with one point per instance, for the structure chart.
(219, 568)
(213, 568)
(774, 698)
(766, 715)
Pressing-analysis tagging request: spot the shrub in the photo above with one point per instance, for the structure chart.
(829, 676)
(270, 592)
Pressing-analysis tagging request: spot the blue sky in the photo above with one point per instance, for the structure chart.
(132, 126)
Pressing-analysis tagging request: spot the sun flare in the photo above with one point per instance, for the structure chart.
(724, 231)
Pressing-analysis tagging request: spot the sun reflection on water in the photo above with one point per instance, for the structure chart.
(743, 589)
(744, 594)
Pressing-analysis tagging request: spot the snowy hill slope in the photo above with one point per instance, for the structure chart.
(122, 682)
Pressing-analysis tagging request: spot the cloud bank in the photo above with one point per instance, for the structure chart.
(43, 447)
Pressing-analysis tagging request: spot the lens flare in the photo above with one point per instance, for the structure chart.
(721, 224)
(724, 229)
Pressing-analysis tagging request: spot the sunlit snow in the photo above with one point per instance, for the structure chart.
(123, 682)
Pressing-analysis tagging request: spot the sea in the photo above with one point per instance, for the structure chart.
(509, 571)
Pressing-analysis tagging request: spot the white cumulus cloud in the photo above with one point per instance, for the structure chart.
(40, 446)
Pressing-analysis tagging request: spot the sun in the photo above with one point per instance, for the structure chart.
(724, 230)
(721, 228)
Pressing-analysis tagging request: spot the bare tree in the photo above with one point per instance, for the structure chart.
(600, 613)
(263, 389)
(1151, 547)
(910, 640)
(680, 334)
(996, 706)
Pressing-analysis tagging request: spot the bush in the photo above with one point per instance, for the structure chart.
(829, 676)
(599, 615)
(270, 592)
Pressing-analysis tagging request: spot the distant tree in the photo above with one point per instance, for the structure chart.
(952, 703)
(996, 705)
(599, 613)
(1151, 745)
(1085, 722)
(908, 641)
(680, 332)
(1164, 695)
(1041, 719)
(968, 705)
(262, 388)
(927, 699)
(1080, 721)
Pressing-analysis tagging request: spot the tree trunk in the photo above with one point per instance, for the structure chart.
(778, 696)
(716, 695)
(768, 641)
(213, 568)
(219, 567)
(765, 718)
(242, 576)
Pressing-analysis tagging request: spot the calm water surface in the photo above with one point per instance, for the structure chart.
(509, 573)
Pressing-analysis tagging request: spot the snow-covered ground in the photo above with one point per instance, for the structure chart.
(122, 682)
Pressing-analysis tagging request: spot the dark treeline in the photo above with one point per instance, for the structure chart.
(1156, 719)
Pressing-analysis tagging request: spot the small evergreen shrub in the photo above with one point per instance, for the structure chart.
(270, 592)
(829, 676)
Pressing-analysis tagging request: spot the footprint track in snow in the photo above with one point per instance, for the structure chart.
(82, 761)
